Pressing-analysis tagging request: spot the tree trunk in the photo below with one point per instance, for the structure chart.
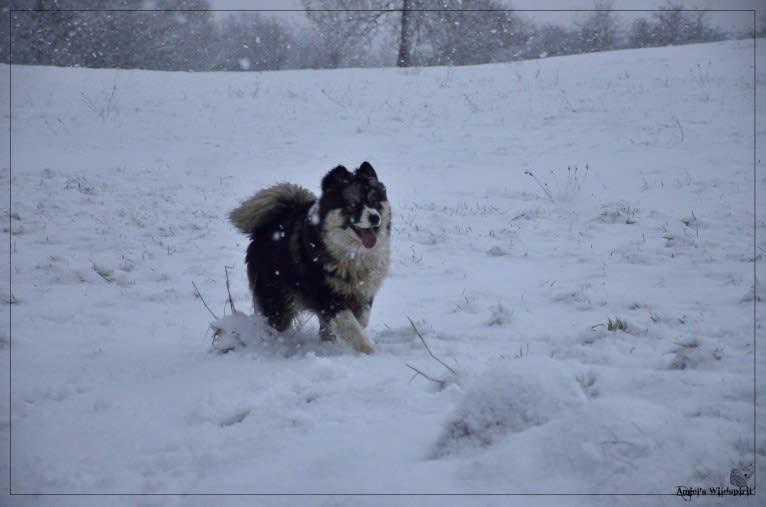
(405, 40)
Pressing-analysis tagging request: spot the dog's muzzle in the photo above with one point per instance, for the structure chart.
(367, 227)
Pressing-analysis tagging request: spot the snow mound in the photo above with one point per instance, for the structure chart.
(239, 331)
(510, 397)
(610, 444)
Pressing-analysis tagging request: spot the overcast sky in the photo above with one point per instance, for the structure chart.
(733, 21)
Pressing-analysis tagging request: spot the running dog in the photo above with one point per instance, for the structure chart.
(327, 255)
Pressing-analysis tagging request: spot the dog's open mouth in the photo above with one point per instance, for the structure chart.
(368, 236)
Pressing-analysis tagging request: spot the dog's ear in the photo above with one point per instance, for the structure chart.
(338, 175)
(366, 171)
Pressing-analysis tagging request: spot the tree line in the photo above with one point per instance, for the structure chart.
(185, 35)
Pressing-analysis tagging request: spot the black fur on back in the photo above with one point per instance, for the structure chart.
(284, 261)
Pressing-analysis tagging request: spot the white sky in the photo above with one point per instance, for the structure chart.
(728, 21)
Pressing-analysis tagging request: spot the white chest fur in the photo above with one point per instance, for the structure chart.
(358, 271)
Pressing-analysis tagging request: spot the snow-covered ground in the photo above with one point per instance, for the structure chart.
(639, 208)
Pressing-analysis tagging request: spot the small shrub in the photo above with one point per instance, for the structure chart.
(617, 325)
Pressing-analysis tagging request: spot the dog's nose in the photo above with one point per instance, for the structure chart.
(374, 219)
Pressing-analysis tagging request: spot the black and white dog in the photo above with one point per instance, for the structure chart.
(327, 255)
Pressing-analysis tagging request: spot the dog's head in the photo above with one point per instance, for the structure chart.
(354, 208)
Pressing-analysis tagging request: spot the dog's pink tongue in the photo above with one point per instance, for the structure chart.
(368, 237)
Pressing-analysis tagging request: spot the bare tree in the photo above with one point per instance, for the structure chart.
(405, 38)
(673, 25)
(599, 30)
(551, 40)
(641, 34)
(252, 41)
(179, 40)
(40, 35)
(667, 24)
(343, 32)
(478, 37)
(427, 32)
(86, 33)
(697, 29)
(459, 35)
(349, 23)
(453, 32)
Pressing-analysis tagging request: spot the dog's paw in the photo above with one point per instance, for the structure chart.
(365, 347)
(348, 328)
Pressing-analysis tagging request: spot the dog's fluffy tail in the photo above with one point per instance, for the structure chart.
(269, 204)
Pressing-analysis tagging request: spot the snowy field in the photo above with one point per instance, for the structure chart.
(639, 208)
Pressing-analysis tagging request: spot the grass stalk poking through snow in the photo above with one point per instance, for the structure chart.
(440, 382)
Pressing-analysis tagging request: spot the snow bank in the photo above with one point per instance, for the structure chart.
(510, 397)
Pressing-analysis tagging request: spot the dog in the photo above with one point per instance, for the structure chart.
(328, 255)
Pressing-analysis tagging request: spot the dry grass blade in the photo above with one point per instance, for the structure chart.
(106, 274)
(428, 349)
(298, 327)
(543, 187)
(228, 290)
(199, 295)
(441, 383)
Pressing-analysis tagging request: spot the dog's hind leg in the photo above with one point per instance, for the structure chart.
(274, 305)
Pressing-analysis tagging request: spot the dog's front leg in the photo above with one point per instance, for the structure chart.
(362, 313)
(346, 326)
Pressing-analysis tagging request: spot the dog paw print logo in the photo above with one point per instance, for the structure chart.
(739, 476)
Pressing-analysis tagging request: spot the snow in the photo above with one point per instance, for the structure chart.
(121, 186)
